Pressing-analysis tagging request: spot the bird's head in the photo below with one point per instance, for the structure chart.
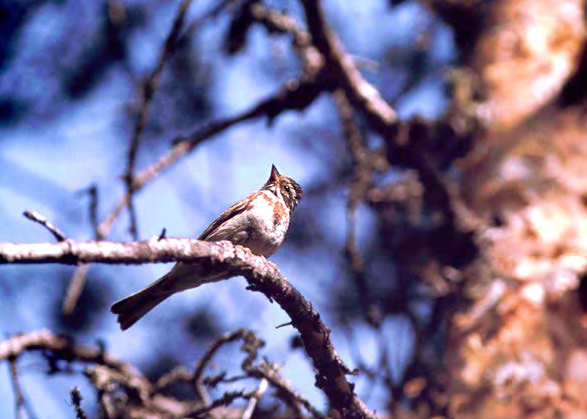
(284, 187)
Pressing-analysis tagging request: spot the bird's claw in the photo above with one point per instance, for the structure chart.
(244, 249)
(250, 252)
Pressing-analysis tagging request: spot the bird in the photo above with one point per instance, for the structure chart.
(257, 222)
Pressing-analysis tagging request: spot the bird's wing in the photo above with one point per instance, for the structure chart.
(211, 233)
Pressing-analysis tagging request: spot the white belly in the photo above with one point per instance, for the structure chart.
(266, 230)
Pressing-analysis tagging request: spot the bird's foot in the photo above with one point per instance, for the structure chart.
(245, 249)
(271, 264)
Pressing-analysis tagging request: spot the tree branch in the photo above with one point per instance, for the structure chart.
(38, 218)
(18, 395)
(361, 93)
(276, 21)
(221, 256)
(107, 374)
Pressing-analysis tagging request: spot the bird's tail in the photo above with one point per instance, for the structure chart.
(132, 308)
(181, 277)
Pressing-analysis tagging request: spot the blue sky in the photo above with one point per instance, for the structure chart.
(62, 147)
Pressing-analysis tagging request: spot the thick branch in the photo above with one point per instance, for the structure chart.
(330, 371)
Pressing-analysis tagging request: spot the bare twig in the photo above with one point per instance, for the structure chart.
(162, 234)
(74, 289)
(18, 396)
(76, 400)
(225, 400)
(212, 13)
(178, 374)
(148, 89)
(254, 400)
(277, 21)
(205, 360)
(92, 192)
(292, 398)
(38, 218)
(213, 349)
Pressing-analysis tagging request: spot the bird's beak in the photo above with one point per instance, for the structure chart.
(275, 175)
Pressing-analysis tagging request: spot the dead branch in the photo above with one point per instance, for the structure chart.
(45, 340)
(224, 256)
(107, 374)
(38, 218)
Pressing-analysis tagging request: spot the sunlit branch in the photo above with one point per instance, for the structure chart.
(38, 218)
(222, 256)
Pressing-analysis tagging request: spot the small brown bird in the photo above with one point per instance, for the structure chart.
(258, 222)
